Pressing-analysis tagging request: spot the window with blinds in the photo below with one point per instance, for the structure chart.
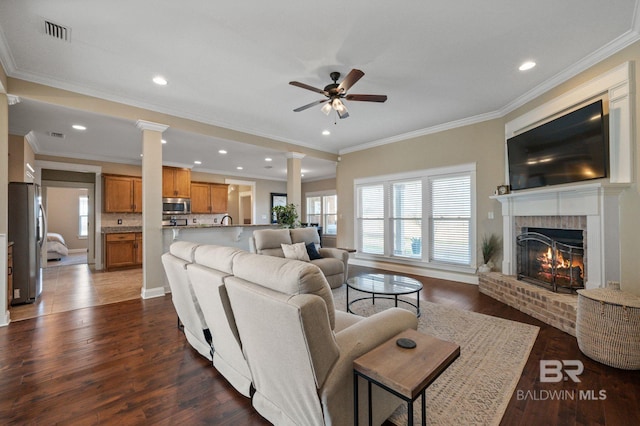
(450, 220)
(424, 216)
(406, 218)
(371, 218)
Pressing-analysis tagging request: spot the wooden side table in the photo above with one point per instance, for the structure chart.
(406, 373)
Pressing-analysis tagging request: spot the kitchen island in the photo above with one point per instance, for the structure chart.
(222, 235)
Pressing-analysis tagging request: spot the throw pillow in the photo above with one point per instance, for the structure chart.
(312, 251)
(295, 251)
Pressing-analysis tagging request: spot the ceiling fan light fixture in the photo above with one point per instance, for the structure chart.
(326, 108)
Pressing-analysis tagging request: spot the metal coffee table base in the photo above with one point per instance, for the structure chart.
(375, 296)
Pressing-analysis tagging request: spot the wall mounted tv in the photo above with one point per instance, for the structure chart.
(571, 148)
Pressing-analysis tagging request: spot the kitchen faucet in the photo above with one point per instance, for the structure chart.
(226, 216)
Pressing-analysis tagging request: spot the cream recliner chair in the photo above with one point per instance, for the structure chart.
(184, 300)
(334, 263)
(212, 265)
(302, 369)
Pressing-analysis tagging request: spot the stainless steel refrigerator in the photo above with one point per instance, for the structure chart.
(27, 230)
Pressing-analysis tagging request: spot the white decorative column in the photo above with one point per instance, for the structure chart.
(294, 179)
(152, 270)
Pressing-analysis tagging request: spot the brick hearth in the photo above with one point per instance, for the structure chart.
(556, 309)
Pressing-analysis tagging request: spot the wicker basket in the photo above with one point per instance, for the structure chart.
(608, 327)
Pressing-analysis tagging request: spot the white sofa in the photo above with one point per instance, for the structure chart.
(275, 329)
(334, 263)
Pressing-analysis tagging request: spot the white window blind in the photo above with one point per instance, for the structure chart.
(406, 218)
(451, 219)
(371, 217)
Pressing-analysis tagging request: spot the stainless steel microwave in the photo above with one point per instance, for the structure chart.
(176, 206)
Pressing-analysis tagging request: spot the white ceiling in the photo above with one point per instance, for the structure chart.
(229, 63)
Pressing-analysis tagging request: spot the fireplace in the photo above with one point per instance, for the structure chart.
(551, 258)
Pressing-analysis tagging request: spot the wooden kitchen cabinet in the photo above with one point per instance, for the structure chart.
(123, 250)
(122, 194)
(209, 197)
(176, 182)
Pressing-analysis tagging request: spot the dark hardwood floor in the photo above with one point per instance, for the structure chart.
(127, 363)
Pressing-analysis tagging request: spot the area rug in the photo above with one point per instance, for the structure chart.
(477, 387)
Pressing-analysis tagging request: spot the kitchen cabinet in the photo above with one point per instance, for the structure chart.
(209, 197)
(176, 182)
(122, 194)
(123, 250)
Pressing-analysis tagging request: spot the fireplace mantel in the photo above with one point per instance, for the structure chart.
(598, 201)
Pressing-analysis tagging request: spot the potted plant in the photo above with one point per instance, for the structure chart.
(416, 245)
(491, 246)
(286, 216)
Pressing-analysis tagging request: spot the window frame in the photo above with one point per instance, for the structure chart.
(425, 175)
(82, 236)
(323, 214)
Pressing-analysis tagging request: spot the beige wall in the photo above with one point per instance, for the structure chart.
(482, 144)
(62, 215)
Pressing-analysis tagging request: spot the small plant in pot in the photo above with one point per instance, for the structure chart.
(491, 246)
(286, 216)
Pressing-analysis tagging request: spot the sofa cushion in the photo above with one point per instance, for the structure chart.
(286, 276)
(305, 235)
(216, 257)
(183, 250)
(296, 251)
(268, 241)
(312, 251)
(329, 266)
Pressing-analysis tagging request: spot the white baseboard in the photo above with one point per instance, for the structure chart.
(423, 272)
(150, 293)
(6, 320)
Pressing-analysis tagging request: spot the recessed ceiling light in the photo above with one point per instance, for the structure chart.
(222, 151)
(79, 127)
(268, 159)
(164, 141)
(197, 162)
(326, 132)
(527, 66)
(160, 80)
(239, 168)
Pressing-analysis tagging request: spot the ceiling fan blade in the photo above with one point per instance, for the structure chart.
(302, 108)
(366, 98)
(306, 86)
(351, 79)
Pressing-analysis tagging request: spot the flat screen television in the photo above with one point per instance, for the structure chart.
(571, 148)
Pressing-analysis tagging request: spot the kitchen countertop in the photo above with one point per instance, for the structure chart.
(123, 228)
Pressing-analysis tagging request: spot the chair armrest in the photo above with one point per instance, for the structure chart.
(362, 337)
(337, 254)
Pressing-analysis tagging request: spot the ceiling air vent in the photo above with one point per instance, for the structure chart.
(56, 135)
(57, 31)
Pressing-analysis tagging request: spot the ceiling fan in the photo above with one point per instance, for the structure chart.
(336, 92)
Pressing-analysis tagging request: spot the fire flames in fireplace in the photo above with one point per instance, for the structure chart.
(550, 262)
(567, 272)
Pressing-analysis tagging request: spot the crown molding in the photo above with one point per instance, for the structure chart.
(150, 125)
(426, 131)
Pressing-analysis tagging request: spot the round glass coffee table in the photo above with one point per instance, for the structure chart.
(384, 286)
